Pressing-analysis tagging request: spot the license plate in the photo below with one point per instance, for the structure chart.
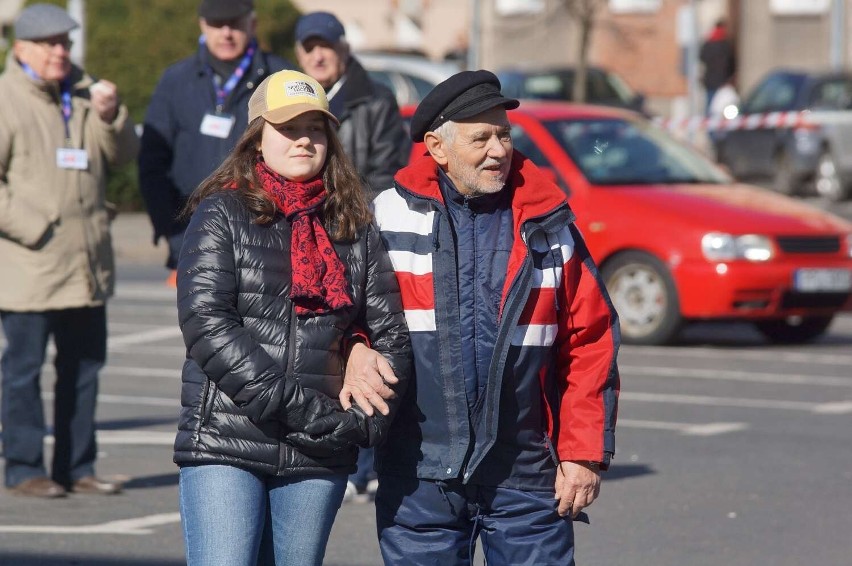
(823, 280)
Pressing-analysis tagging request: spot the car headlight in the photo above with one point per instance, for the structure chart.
(717, 246)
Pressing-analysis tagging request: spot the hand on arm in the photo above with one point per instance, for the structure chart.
(367, 377)
(577, 486)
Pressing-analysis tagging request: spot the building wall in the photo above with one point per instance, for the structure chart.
(768, 41)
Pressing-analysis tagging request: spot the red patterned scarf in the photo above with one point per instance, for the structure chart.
(319, 281)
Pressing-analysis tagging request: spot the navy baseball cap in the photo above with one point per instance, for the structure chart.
(463, 95)
(319, 24)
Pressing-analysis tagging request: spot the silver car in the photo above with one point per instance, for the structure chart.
(795, 131)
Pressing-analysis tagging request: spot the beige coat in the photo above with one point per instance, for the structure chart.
(55, 247)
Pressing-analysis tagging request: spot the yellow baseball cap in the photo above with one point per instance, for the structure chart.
(286, 94)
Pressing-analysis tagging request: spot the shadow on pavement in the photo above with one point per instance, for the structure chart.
(625, 471)
(147, 482)
(18, 559)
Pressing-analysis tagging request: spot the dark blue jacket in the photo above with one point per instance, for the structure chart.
(175, 156)
(551, 387)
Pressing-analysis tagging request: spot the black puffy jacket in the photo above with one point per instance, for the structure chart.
(243, 338)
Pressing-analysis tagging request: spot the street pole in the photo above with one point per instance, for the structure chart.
(77, 10)
(474, 35)
(838, 25)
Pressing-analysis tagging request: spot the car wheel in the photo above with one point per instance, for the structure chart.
(644, 295)
(827, 180)
(794, 330)
(785, 181)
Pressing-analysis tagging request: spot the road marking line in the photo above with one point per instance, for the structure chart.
(145, 336)
(125, 437)
(734, 375)
(129, 400)
(137, 526)
(688, 429)
(158, 292)
(825, 408)
(815, 358)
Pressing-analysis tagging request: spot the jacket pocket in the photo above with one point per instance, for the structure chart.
(207, 402)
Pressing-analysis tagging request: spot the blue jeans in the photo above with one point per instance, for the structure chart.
(422, 522)
(80, 338)
(224, 508)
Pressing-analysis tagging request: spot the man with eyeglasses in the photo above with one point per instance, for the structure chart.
(59, 132)
(197, 112)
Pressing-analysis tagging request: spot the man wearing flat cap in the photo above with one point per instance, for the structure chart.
(59, 133)
(512, 413)
(197, 113)
(371, 129)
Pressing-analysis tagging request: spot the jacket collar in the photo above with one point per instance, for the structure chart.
(49, 89)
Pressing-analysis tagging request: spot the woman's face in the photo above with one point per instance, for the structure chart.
(296, 149)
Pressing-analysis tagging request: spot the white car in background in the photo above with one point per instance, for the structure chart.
(410, 77)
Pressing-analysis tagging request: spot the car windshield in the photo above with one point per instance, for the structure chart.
(623, 152)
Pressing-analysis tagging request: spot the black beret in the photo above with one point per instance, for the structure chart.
(464, 95)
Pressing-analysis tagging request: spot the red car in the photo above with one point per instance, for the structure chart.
(676, 239)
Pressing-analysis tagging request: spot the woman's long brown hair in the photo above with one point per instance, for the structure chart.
(345, 210)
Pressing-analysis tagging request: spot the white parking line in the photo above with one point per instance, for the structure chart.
(137, 526)
(130, 437)
(129, 400)
(688, 429)
(825, 408)
(811, 358)
(145, 337)
(733, 375)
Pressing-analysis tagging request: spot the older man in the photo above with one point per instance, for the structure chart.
(59, 131)
(371, 129)
(512, 414)
(198, 111)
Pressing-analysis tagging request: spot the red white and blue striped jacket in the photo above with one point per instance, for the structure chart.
(555, 357)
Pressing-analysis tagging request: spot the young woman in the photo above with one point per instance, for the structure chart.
(279, 262)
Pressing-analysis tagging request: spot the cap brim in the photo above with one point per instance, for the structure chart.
(483, 105)
(286, 113)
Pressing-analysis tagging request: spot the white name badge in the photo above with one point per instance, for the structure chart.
(67, 158)
(217, 125)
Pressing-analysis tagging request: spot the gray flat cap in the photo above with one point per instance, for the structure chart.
(43, 20)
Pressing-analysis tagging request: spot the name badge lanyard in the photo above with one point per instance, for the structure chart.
(65, 97)
(222, 92)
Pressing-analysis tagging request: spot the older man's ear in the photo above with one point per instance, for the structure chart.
(436, 147)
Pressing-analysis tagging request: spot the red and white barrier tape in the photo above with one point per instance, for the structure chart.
(743, 122)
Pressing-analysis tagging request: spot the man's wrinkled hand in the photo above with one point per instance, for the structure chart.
(367, 380)
(577, 486)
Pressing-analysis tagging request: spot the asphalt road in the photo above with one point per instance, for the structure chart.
(730, 451)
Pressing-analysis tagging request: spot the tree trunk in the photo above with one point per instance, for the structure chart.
(584, 22)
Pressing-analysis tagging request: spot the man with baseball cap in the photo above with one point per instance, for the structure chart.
(59, 133)
(371, 128)
(197, 113)
(512, 414)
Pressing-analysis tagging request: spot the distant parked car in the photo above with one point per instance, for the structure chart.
(807, 146)
(410, 77)
(676, 239)
(602, 87)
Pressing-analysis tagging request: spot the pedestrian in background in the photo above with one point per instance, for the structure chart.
(279, 263)
(371, 128)
(198, 112)
(717, 55)
(59, 131)
(371, 132)
(511, 415)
